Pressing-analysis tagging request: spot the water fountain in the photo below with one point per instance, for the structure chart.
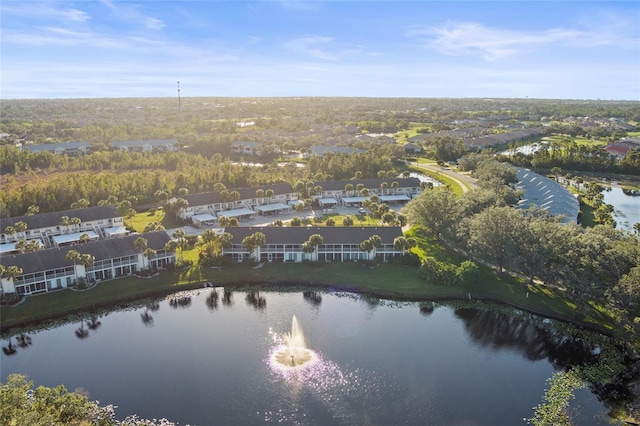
(293, 353)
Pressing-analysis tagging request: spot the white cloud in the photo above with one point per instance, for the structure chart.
(132, 13)
(470, 38)
(313, 46)
(44, 11)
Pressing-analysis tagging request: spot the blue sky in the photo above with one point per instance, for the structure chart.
(112, 48)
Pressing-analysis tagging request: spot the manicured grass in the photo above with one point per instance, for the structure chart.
(457, 187)
(142, 219)
(384, 280)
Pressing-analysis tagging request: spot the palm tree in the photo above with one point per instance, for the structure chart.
(367, 246)
(21, 245)
(348, 188)
(170, 246)
(84, 238)
(181, 241)
(383, 187)
(311, 245)
(252, 242)
(75, 221)
(75, 257)
(347, 221)
(64, 221)
(259, 195)
(153, 226)
(149, 253)
(20, 227)
(223, 221)
(33, 245)
(33, 210)
(636, 228)
(82, 203)
(11, 272)
(9, 231)
(269, 193)
(140, 244)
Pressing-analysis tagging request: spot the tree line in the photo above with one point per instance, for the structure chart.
(597, 263)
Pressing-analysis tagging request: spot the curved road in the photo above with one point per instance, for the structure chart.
(466, 182)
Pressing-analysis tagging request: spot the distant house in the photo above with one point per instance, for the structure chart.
(412, 148)
(66, 148)
(246, 148)
(620, 149)
(322, 150)
(340, 244)
(152, 145)
(48, 269)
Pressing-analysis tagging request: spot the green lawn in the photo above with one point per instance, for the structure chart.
(385, 280)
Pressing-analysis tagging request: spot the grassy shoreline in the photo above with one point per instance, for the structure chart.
(388, 281)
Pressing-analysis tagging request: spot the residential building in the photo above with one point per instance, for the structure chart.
(394, 190)
(322, 150)
(64, 148)
(45, 226)
(152, 145)
(246, 148)
(209, 205)
(48, 269)
(339, 244)
(547, 194)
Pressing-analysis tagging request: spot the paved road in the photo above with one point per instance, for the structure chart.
(465, 181)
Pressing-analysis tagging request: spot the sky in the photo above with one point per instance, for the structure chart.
(452, 49)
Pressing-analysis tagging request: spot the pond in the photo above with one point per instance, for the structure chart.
(626, 206)
(200, 360)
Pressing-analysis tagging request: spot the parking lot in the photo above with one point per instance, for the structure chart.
(268, 220)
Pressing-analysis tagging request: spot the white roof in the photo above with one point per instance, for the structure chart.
(401, 197)
(547, 194)
(354, 199)
(272, 207)
(327, 201)
(203, 217)
(69, 238)
(9, 247)
(116, 230)
(236, 212)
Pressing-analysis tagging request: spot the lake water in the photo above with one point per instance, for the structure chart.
(626, 207)
(204, 361)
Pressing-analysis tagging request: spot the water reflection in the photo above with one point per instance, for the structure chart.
(9, 349)
(227, 297)
(180, 300)
(503, 331)
(147, 318)
(313, 297)
(254, 299)
(212, 300)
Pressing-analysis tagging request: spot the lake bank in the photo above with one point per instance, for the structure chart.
(388, 281)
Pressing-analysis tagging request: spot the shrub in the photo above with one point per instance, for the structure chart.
(467, 272)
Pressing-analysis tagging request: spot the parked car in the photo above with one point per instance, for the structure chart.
(362, 210)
